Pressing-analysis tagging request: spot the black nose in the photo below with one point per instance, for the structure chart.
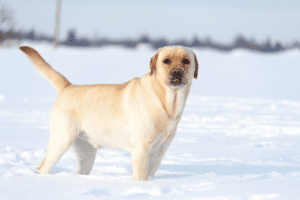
(177, 73)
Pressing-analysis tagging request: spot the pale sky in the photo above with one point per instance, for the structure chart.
(222, 20)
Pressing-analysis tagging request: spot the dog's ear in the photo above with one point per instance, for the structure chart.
(196, 67)
(153, 63)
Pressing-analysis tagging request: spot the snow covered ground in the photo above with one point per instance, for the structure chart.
(238, 138)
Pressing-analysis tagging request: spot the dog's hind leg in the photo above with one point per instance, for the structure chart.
(85, 154)
(63, 131)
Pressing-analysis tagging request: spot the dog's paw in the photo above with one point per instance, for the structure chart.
(37, 171)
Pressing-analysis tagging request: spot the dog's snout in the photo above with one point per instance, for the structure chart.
(177, 77)
(176, 71)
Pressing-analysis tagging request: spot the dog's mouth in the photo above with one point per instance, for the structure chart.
(177, 77)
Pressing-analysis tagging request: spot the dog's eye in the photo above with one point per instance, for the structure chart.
(185, 61)
(167, 61)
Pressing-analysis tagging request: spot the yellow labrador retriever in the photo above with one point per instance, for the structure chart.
(139, 116)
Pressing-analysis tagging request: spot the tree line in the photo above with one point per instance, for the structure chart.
(240, 42)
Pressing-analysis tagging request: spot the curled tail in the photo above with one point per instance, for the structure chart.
(57, 80)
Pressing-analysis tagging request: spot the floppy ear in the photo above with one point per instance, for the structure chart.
(196, 67)
(153, 63)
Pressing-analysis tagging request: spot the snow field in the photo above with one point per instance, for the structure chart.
(238, 137)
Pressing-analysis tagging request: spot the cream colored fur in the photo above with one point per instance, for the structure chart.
(139, 116)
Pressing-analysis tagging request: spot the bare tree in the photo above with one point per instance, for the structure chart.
(55, 42)
(6, 18)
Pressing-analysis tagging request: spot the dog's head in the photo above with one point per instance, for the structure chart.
(174, 65)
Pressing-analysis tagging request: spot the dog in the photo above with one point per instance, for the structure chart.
(139, 116)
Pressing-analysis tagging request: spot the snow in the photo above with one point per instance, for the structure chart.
(238, 137)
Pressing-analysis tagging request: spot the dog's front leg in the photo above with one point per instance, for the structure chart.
(139, 157)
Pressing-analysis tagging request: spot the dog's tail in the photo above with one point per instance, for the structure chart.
(57, 80)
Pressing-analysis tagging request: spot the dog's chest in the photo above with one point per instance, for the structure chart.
(174, 108)
(163, 140)
(175, 104)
